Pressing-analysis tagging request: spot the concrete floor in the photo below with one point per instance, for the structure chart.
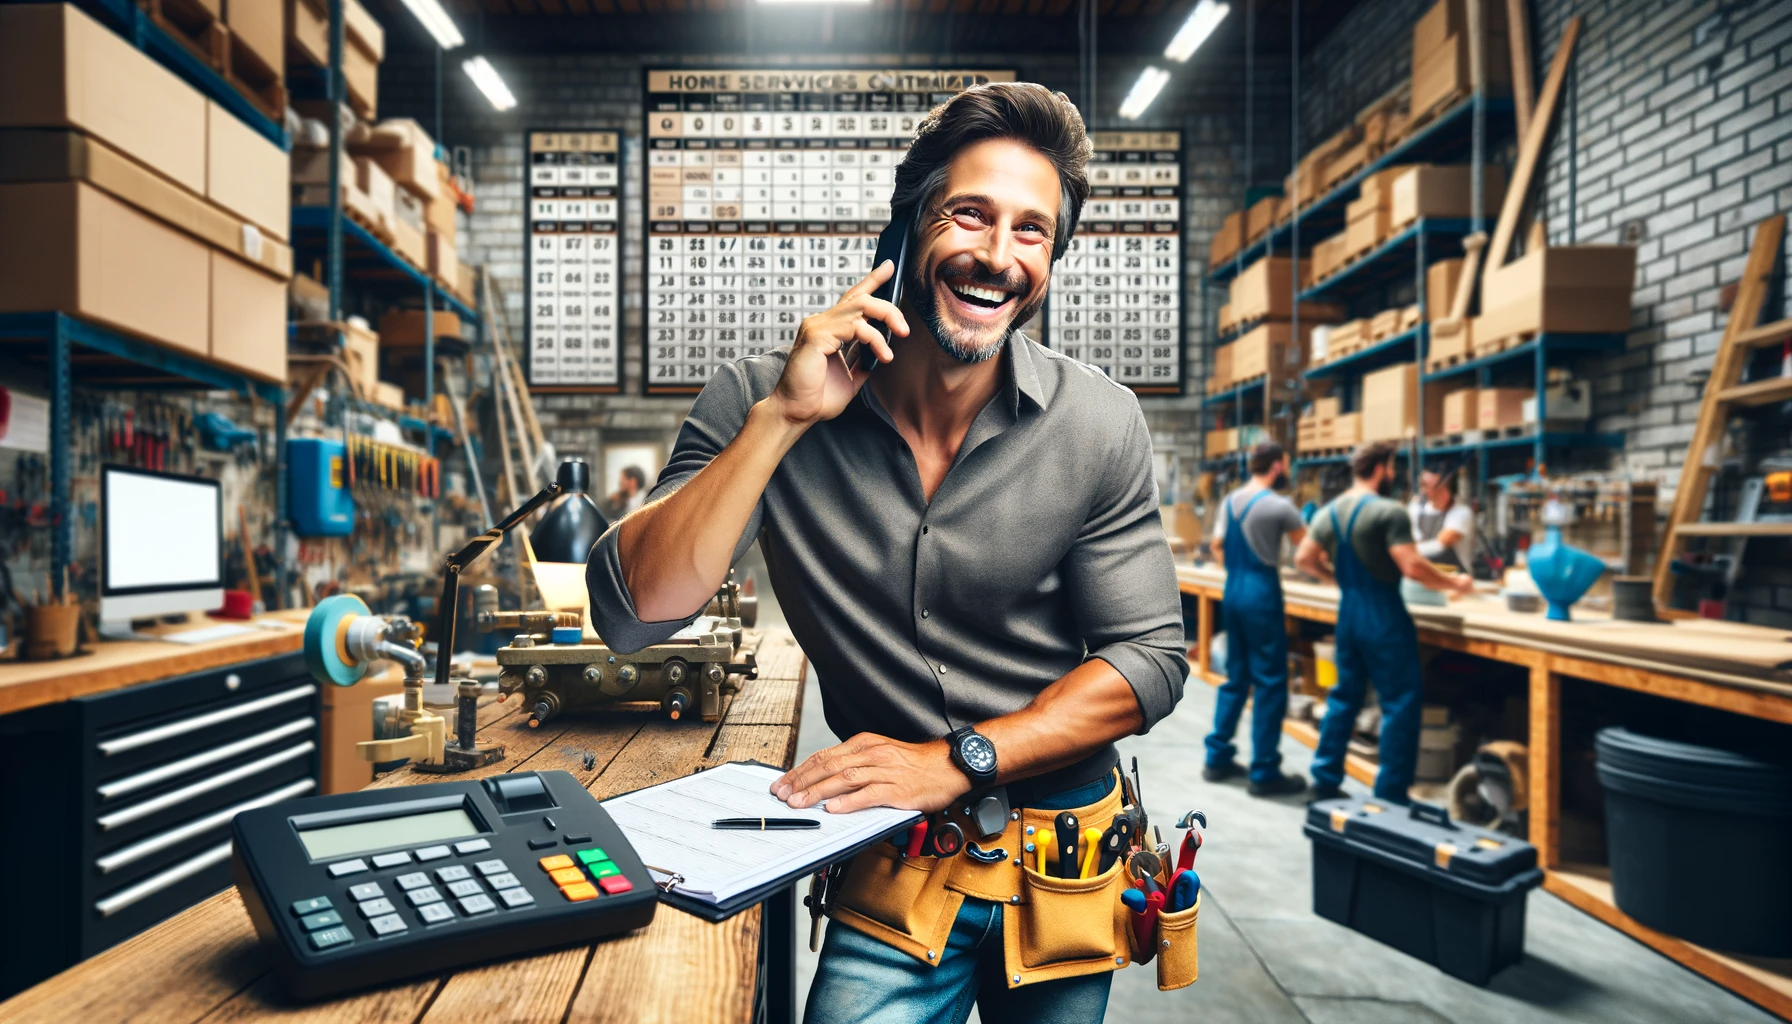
(1266, 957)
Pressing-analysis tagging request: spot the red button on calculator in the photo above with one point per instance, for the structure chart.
(614, 884)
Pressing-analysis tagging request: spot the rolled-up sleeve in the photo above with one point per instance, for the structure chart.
(716, 418)
(1123, 581)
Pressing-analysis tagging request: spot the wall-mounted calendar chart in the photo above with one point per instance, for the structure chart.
(765, 194)
(1116, 296)
(575, 260)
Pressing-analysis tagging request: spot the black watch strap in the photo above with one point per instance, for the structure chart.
(978, 776)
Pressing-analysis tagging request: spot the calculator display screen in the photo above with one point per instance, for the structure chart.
(411, 829)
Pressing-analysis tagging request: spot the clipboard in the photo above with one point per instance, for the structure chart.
(722, 910)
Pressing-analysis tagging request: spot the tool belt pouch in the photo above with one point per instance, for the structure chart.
(900, 901)
(1176, 960)
(1067, 927)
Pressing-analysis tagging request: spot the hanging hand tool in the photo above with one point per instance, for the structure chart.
(1191, 840)
(1043, 842)
(1069, 835)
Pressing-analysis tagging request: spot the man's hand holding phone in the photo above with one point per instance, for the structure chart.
(822, 374)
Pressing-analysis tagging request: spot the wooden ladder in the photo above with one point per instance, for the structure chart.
(1724, 394)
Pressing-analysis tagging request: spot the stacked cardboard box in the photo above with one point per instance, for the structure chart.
(1263, 352)
(1461, 409)
(1265, 291)
(364, 47)
(1496, 408)
(128, 198)
(1227, 240)
(1391, 403)
(1440, 57)
(397, 158)
(1580, 288)
(1260, 218)
(1423, 190)
(1220, 377)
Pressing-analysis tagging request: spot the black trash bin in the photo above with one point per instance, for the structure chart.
(1449, 894)
(1699, 841)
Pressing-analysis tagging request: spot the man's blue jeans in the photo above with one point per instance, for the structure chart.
(864, 981)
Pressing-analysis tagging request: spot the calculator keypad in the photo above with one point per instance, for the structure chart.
(427, 894)
(465, 887)
(375, 908)
(435, 913)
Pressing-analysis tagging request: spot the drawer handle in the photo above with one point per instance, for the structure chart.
(198, 826)
(157, 882)
(120, 744)
(137, 812)
(173, 769)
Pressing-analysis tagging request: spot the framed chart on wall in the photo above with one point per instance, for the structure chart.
(574, 260)
(1116, 296)
(765, 194)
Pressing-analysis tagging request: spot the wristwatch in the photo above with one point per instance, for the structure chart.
(974, 755)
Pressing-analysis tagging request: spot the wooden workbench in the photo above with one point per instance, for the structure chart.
(1748, 685)
(207, 964)
(115, 664)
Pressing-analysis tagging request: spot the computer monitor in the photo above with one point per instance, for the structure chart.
(161, 545)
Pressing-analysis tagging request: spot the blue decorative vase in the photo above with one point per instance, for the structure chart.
(1562, 572)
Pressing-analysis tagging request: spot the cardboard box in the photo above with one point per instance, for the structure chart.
(360, 29)
(1384, 324)
(1440, 288)
(1500, 407)
(248, 329)
(59, 68)
(1565, 402)
(27, 155)
(1227, 240)
(1447, 347)
(1462, 409)
(439, 215)
(307, 33)
(403, 328)
(1346, 430)
(388, 394)
(1264, 351)
(1364, 234)
(1260, 217)
(311, 166)
(1442, 73)
(361, 352)
(1225, 318)
(467, 283)
(1390, 403)
(1429, 191)
(1584, 288)
(347, 719)
(1265, 289)
(1222, 442)
(307, 299)
(410, 243)
(246, 174)
(1327, 408)
(1328, 255)
(361, 74)
(1448, 18)
(1345, 338)
(443, 262)
(68, 246)
(407, 207)
(260, 26)
(377, 185)
(1221, 376)
(407, 153)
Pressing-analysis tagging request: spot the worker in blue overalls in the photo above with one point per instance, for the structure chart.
(1247, 540)
(1368, 538)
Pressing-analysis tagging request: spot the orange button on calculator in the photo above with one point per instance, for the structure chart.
(566, 876)
(556, 862)
(579, 891)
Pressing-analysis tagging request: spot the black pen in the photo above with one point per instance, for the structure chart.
(765, 824)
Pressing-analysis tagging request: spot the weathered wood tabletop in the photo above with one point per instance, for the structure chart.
(206, 963)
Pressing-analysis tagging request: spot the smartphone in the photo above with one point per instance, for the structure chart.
(892, 245)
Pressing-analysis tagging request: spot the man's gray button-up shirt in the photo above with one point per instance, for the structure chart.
(1042, 547)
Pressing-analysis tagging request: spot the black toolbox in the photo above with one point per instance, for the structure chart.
(1449, 894)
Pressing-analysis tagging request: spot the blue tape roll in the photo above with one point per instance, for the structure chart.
(568, 634)
(322, 658)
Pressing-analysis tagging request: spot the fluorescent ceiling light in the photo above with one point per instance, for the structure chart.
(486, 78)
(1201, 22)
(437, 21)
(1151, 82)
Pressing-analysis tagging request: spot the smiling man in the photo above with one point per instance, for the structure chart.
(965, 541)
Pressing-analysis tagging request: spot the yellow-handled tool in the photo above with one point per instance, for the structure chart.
(1091, 852)
(1042, 842)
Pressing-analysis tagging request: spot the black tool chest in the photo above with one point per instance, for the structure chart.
(117, 806)
(1447, 893)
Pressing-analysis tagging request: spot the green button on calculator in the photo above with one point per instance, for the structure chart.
(592, 856)
(603, 869)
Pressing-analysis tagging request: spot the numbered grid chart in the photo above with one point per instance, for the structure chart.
(1116, 296)
(574, 261)
(766, 192)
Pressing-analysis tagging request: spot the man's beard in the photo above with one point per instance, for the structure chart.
(962, 343)
(1386, 487)
(1280, 482)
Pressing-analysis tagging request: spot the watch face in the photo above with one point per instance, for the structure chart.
(978, 753)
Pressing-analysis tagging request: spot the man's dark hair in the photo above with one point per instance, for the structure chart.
(1372, 456)
(1264, 456)
(635, 473)
(1026, 112)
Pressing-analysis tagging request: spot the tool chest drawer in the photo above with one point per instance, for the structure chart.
(119, 804)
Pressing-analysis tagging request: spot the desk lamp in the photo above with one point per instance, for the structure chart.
(561, 543)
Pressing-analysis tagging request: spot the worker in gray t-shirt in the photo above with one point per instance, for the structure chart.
(1247, 539)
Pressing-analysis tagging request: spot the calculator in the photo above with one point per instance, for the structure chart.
(359, 889)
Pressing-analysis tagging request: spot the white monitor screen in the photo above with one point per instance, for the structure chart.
(162, 532)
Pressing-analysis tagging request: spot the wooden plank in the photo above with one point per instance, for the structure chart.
(174, 973)
(1204, 633)
(527, 989)
(267, 1001)
(1545, 746)
(1518, 35)
(678, 970)
(1766, 334)
(115, 664)
(1753, 703)
(767, 744)
(1726, 370)
(1735, 530)
(1589, 888)
(1358, 768)
(1757, 392)
(1530, 150)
